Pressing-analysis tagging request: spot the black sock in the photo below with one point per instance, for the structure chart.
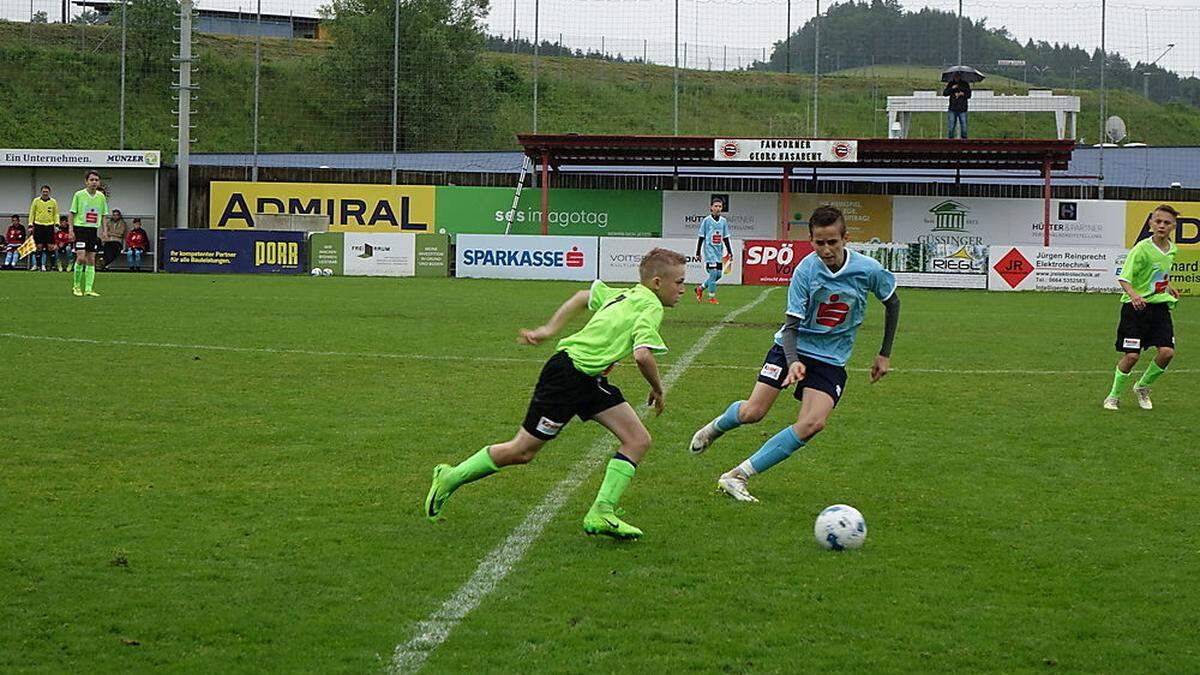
(623, 458)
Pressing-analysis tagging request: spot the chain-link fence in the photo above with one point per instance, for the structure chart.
(450, 75)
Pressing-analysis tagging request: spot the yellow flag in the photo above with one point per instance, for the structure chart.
(26, 248)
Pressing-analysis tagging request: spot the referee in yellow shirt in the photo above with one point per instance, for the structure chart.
(43, 216)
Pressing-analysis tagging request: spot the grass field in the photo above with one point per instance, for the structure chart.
(225, 474)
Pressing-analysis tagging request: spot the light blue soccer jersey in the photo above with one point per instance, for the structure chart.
(714, 233)
(831, 305)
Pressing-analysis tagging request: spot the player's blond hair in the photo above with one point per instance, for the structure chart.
(658, 262)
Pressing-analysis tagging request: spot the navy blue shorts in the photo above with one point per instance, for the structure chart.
(818, 375)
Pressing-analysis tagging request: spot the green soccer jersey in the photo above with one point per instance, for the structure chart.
(89, 210)
(624, 319)
(1148, 270)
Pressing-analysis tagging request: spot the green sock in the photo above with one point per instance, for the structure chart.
(89, 277)
(471, 469)
(78, 278)
(1119, 381)
(1152, 373)
(616, 479)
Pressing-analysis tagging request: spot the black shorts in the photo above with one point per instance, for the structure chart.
(86, 239)
(818, 375)
(43, 235)
(1150, 327)
(564, 392)
(710, 266)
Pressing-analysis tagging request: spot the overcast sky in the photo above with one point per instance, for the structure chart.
(728, 32)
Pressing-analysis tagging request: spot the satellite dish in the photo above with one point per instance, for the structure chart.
(1114, 129)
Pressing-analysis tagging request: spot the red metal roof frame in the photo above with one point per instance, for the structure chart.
(908, 153)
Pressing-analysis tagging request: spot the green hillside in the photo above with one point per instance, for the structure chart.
(63, 92)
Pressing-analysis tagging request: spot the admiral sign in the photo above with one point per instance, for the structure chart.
(492, 256)
(785, 151)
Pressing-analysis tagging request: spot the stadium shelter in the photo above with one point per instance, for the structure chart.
(129, 177)
(550, 151)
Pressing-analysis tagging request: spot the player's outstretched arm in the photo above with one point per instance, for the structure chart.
(891, 319)
(644, 358)
(562, 315)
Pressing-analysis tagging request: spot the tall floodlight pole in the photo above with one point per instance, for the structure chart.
(257, 68)
(959, 62)
(675, 73)
(787, 63)
(1103, 95)
(537, 12)
(124, 11)
(816, 65)
(395, 84)
(183, 157)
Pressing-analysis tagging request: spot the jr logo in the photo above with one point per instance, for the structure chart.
(832, 313)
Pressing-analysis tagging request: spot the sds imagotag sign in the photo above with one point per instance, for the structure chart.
(348, 207)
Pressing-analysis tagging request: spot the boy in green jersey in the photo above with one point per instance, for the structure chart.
(1146, 308)
(89, 208)
(573, 383)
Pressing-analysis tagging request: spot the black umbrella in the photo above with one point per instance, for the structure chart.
(968, 74)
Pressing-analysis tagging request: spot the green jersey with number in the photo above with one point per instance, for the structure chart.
(1148, 269)
(624, 319)
(89, 210)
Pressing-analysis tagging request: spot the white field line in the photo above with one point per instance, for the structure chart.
(404, 356)
(496, 565)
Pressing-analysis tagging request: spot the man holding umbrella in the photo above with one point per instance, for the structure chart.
(958, 88)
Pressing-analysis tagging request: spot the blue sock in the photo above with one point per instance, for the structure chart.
(778, 448)
(728, 421)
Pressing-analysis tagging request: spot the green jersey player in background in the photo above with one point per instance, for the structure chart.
(574, 383)
(89, 208)
(1146, 308)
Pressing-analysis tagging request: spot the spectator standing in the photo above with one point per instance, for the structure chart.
(959, 91)
(43, 214)
(135, 245)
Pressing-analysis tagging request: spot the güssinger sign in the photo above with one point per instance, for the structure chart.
(785, 151)
(492, 256)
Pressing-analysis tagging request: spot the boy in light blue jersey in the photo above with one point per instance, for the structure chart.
(714, 231)
(827, 300)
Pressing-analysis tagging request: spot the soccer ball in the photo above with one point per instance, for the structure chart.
(316, 271)
(326, 272)
(840, 527)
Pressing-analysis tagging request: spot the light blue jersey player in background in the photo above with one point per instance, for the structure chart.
(827, 300)
(714, 231)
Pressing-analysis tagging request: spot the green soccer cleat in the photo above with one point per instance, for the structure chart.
(91, 294)
(77, 292)
(438, 494)
(608, 524)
